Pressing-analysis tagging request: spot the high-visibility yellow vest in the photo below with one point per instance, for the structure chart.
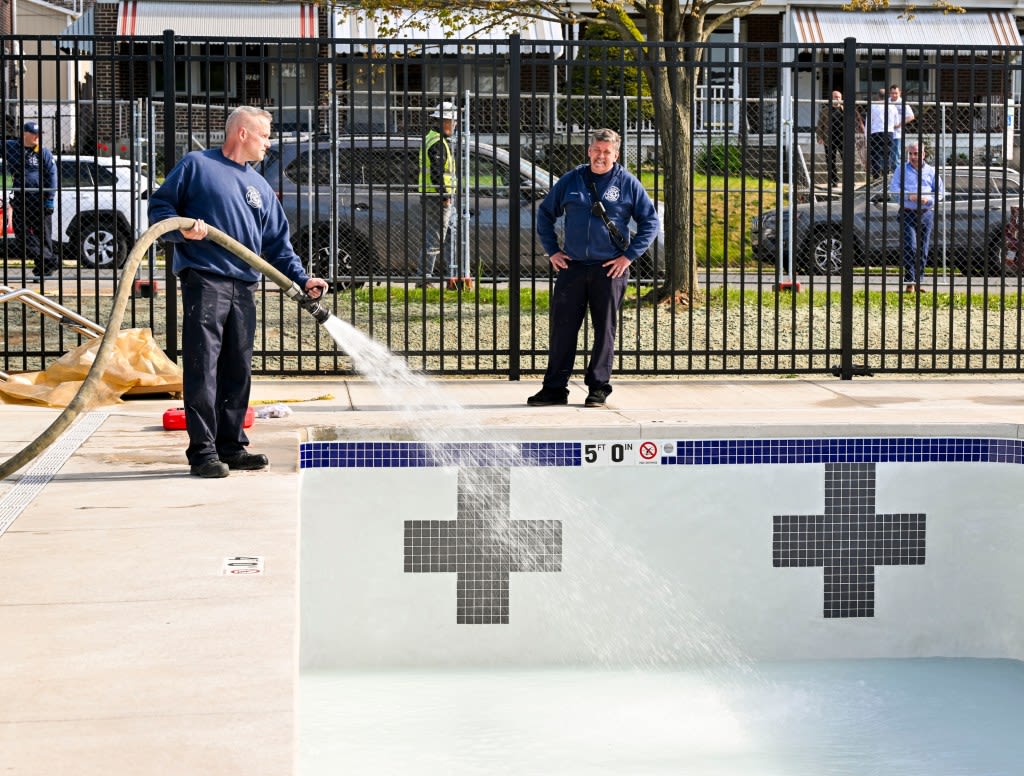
(427, 185)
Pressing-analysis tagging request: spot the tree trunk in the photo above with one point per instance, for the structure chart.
(673, 79)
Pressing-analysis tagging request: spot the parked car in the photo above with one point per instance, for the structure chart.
(969, 226)
(101, 209)
(362, 193)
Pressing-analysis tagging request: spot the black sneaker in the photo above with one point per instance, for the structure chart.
(47, 271)
(596, 397)
(549, 397)
(211, 469)
(246, 461)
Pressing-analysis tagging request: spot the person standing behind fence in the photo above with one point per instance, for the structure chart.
(438, 187)
(882, 119)
(904, 116)
(218, 288)
(34, 186)
(593, 266)
(920, 189)
(829, 132)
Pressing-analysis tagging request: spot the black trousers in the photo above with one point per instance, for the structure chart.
(833, 160)
(217, 333)
(580, 287)
(33, 230)
(879, 150)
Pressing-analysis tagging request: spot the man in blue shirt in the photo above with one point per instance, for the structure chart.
(217, 287)
(920, 190)
(592, 264)
(34, 187)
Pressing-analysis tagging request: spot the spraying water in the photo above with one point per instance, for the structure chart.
(441, 423)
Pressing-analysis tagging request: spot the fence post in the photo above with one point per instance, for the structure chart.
(170, 129)
(515, 194)
(849, 151)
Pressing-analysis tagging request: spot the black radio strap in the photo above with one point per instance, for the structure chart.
(597, 207)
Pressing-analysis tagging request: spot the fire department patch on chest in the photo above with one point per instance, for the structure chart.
(252, 196)
(612, 194)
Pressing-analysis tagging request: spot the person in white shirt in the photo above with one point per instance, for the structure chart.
(904, 115)
(882, 122)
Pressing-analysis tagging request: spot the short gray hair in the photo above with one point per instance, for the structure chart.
(606, 136)
(245, 112)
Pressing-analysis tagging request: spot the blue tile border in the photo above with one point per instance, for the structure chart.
(703, 452)
(383, 455)
(852, 450)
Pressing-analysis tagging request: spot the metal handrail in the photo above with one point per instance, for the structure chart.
(66, 317)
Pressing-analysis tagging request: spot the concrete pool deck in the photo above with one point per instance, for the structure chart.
(127, 650)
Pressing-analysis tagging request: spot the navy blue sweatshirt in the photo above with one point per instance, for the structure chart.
(235, 199)
(586, 236)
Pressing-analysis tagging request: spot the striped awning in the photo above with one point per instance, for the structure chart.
(948, 30)
(356, 26)
(84, 25)
(228, 20)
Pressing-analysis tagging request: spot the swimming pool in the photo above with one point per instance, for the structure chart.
(657, 569)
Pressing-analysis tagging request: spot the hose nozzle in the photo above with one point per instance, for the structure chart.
(314, 307)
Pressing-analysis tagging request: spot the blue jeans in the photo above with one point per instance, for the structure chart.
(895, 149)
(916, 226)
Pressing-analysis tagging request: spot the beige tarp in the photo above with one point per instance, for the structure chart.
(137, 366)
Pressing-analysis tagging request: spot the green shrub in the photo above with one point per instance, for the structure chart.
(719, 160)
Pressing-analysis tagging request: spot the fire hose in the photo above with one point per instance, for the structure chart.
(86, 395)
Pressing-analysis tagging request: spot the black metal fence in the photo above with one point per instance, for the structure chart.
(800, 264)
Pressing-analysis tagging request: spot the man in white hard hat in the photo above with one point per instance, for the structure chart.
(438, 185)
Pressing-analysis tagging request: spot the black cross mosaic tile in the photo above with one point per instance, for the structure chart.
(849, 540)
(483, 546)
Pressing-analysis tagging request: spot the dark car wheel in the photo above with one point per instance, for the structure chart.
(100, 246)
(825, 253)
(351, 264)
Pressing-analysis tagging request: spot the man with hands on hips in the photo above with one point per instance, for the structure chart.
(597, 201)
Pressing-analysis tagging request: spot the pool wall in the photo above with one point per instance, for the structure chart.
(657, 550)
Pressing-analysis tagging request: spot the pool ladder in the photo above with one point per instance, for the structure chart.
(67, 318)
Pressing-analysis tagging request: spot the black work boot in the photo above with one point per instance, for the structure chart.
(549, 397)
(209, 469)
(246, 461)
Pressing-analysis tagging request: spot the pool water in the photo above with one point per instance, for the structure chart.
(907, 717)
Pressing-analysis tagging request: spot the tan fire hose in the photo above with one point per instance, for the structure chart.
(86, 396)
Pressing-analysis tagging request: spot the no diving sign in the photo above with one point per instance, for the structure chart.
(242, 564)
(648, 452)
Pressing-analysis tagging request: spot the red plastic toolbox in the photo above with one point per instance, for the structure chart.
(174, 420)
